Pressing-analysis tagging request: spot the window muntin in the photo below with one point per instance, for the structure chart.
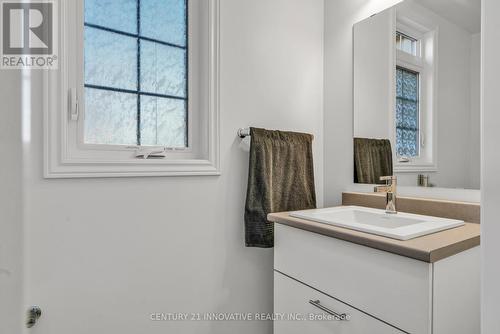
(136, 73)
(407, 112)
(406, 44)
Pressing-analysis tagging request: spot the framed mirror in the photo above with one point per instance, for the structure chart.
(417, 94)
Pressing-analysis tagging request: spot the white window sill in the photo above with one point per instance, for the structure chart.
(414, 168)
(132, 169)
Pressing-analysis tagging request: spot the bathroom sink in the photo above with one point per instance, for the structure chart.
(401, 226)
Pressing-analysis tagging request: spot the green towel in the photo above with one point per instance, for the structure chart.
(372, 159)
(280, 178)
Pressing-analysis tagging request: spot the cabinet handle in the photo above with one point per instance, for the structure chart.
(338, 316)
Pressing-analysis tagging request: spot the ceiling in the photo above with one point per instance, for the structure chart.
(464, 13)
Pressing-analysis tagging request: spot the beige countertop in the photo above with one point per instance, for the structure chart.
(430, 248)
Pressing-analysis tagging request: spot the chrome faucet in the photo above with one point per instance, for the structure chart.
(390, 190)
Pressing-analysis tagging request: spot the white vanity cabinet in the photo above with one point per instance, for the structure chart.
(295, 299)
(381, 292)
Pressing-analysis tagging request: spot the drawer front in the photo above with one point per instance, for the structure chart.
(393, 288)
(293, 299)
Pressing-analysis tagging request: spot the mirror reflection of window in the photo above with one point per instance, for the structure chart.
(406, 43)
(407, 113)
(416, 70)
(413, 75)
(407, 99)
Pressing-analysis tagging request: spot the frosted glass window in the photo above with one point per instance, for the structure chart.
(406, 43)
(407, 112)
(163, 69)
(110, 59)
(136, 69)
(164, 20)
(163, 121)
(113, 14)
(111, 117)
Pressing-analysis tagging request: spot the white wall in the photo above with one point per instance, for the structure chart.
(374, 85)
(102, 254)
(340, 16)
(475, 114)
(11, 223)
(490, 167)
(455, 107)
(454, 101)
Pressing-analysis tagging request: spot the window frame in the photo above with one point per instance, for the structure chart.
(425, 64)
(65, 154)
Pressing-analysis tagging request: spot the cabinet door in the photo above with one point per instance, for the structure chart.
(300, 309)
(387, 286)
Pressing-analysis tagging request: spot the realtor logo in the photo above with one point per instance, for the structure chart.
(28, 34)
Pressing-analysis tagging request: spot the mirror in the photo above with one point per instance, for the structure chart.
(417, 94)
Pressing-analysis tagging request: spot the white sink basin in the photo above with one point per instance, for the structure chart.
(401, 226)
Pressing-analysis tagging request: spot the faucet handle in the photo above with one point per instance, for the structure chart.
(390, 180)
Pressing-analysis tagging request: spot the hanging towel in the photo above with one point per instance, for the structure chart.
(372, 159)
(280, 178)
